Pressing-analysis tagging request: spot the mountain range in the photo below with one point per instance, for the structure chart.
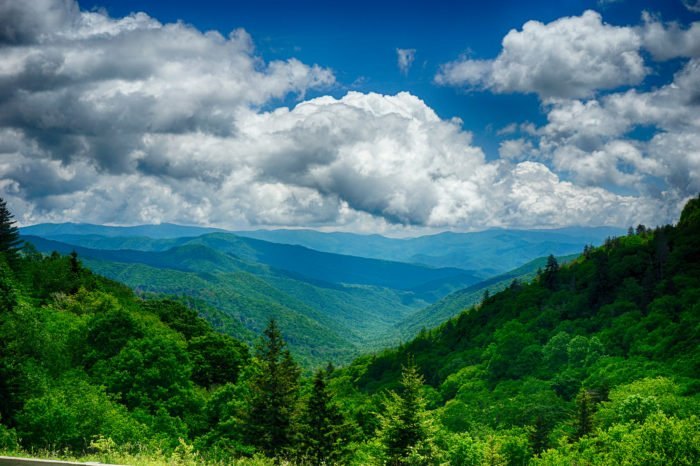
(331, 305)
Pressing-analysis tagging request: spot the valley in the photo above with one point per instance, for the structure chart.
(331, 306)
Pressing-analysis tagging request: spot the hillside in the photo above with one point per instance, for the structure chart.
(594, 362)
(458, 301)
(331, 306)
(580, 366)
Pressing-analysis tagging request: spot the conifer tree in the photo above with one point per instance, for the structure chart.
(323, 424)
(274, 391)
(10, 241)
(549, 276)
(405, 432)
(584, 421)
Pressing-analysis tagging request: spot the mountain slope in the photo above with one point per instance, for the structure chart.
(592, 362)
(631, 305)
(323, 320)
(458, 301)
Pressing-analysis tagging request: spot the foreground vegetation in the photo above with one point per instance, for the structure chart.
(593, 363)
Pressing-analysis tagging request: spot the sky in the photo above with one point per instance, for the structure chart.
(383, 117)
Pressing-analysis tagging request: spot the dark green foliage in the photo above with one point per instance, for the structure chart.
(274, 393)
(216, 359)
(10, 241)
(8, 294)
(584, 408)
(324, 431)
(549, 275)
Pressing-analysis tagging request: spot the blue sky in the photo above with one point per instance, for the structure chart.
(274, 114)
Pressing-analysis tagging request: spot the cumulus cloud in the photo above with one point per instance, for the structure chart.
(128, 120)
(671, 40)
(405, 59)
(590, 139)
(569, 57)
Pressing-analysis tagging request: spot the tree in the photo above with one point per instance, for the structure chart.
(10, 241)
(8, 293)
(274, 391)
(549, 276)
(405, 432)
(585, 407)
(323, 424)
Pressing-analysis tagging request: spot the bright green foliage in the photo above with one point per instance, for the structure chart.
(599, 366)
(71, 412)
(603, 346)
(274, 393)
(405, 432)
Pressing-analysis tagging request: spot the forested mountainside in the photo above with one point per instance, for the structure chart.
(594, 362)
(331, 306)
(597, 362)
(456, 302)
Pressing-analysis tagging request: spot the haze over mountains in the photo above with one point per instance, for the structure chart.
(335, 294)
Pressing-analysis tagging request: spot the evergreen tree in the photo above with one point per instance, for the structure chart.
(584, 421)
(10, 241)
(549, 276)
(323, 424)
(274, 392)
(405, 432)
(8, 294)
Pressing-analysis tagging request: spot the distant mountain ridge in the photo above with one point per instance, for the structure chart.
(486, 253)
(156, 231)
(490, 252)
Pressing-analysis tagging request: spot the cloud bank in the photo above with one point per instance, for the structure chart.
(128, 120)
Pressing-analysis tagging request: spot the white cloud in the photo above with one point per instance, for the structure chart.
(515, 149)
(569, 57)
(130, 121)
(671, 40)
(405, 58)
(589, 139)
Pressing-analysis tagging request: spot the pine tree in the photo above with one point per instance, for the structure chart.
(405, 432)
(585, 406)
(323, 431)
(8, 294)
(10, 241)
(549, 276)
(274, 391)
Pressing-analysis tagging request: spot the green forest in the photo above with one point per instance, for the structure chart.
(593, 362)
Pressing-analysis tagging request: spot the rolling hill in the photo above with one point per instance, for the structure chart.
(330, 305)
